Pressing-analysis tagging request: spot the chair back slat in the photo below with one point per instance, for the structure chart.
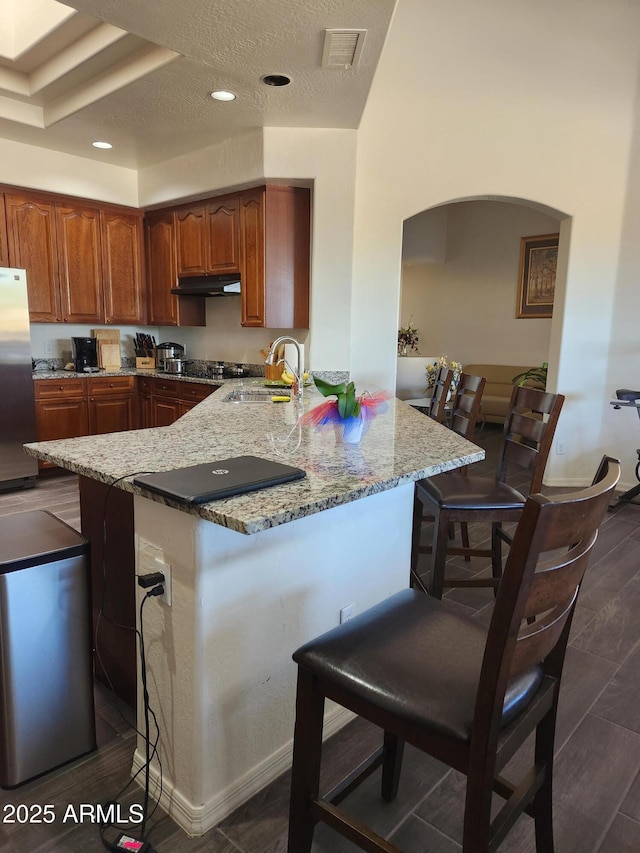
(539, 588)
(441, 386)
(466, 406)
(528, 433)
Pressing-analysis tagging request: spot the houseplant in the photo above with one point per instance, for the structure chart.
(407, 338)
(534, 374)
(349, 413)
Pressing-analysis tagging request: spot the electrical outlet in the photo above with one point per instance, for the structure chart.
(347, 613)
(165, 568)
(560, 448)
(48, 347)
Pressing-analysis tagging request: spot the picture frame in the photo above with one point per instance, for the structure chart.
(537, 276)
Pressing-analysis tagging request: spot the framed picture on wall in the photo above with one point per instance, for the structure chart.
(537, 276)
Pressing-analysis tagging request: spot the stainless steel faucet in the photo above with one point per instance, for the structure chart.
(298, 378)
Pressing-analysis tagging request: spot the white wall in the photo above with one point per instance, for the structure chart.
(41, 169)
(511, 99)
(465, 307)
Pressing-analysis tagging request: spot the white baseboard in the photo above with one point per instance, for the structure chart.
(196, 820)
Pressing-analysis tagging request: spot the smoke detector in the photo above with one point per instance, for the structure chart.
(342, 48)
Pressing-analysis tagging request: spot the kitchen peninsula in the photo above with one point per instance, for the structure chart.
(256, 575)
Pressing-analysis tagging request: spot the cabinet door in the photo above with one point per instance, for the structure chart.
(165, 309)
(146, 411)
(252, 257)
(122, 272)
(31, 234)
(4, 246)
(78, 232)
(224, 235)
(61, 419)
(165, 411)
(111, 413)
(191, 240)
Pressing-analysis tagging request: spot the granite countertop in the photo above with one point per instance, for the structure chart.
(127, 371)
(400, 445)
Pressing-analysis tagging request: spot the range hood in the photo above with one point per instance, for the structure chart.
(208, 285)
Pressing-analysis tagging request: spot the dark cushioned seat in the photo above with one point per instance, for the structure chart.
(391, 656)
(457, 491)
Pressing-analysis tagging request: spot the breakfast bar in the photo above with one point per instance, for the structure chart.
(252, 577)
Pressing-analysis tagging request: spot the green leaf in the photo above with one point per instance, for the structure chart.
(347, 402)
(326, 389)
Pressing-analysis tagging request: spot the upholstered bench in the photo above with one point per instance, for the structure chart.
(497, 391)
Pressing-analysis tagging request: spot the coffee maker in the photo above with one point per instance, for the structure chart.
(85, 354)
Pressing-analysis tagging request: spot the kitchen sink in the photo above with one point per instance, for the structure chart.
(256, 395)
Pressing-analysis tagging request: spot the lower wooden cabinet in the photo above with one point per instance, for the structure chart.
(163, 401)
(61, 411)
(70, 408)
(112, 404)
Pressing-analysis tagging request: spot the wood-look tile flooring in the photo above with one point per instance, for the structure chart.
(597, 787)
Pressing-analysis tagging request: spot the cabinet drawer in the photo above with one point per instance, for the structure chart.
(166, 388)
(195, 391)
(146, 384)
(53, 389)
(110, 384)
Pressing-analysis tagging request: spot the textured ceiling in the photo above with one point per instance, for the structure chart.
(146, 86)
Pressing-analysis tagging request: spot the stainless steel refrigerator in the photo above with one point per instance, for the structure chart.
(17, 407)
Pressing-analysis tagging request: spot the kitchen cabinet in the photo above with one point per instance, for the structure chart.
(207, 237)
(80, 268)
(84, 261)
(112, 404)
(274, 257)
(163, 401)
(4, 245)
(165, 309)
(121, 239)
(84, 406)
(31, 231)
(61, 411)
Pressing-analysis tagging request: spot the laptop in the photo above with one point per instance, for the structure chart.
(221, 478)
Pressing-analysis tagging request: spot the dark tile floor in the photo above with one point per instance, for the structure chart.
(597, 793)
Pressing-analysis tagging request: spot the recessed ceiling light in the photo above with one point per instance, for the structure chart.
(276, 80)
(223, 95)
(102, 145)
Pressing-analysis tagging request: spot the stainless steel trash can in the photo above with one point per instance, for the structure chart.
(46, 677)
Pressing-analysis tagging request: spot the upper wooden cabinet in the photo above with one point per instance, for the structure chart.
(207, 237)
(122, 267)
(80, 267)
(165, 309)
(4, 246)
(83, 261)
(274, 257)
(33, 246)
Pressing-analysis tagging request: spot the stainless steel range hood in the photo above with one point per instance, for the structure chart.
(227, 284)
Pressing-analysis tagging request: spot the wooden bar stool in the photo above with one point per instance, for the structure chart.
(430, 675)
(460, 496)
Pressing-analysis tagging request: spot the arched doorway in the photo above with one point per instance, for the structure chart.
(460, 276)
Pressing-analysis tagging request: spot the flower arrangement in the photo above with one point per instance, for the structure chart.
(349, 411)
(443, 361)
(408, 338)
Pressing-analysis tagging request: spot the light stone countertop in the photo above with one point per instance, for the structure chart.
(400, 445)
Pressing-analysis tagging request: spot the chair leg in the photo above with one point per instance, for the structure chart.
(464, 535)
(439, 553)
(496, 550)
(391, 765)
(543, 801)
(305, 773)
(416, 530)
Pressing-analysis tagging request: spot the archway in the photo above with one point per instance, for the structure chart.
(460, 275)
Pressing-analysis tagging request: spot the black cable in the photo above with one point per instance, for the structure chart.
(150, 752)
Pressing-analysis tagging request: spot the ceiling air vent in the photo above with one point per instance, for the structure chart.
(342, 48)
